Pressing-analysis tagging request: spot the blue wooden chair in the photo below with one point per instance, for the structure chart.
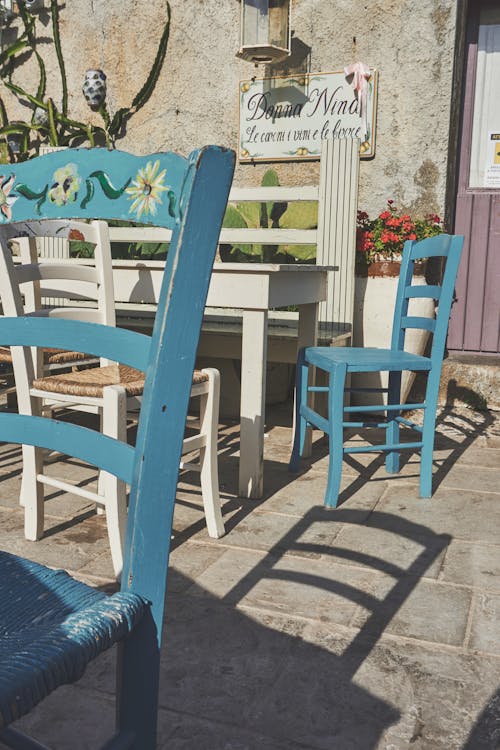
(52, 626)
(338, 362)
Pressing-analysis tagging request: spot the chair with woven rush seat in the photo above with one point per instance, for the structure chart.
(83, 390)
(51, 626)
(95, 281)
(339, 362)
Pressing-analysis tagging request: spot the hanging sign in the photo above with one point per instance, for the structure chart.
(287, 118)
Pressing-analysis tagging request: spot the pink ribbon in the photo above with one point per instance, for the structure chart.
(360, 76)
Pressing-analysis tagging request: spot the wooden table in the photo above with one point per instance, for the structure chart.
(254, 288)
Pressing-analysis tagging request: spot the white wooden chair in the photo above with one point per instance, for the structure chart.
(85, 390)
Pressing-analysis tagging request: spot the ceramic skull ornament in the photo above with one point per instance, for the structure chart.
(94, 88)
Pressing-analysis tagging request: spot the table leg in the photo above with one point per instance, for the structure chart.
(253, 400)
(308, 336)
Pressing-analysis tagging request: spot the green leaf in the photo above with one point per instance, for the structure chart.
(3, 114)
(89, 194)
(107, 186)
(148, 250)
(123, 115)
(143, 95)
(8, 53)
(24, 94)
(300, 215)
(251, 214)
(29, 25)
(54, 9)
(78, 126)
(54, 139)
(233, 218)
(30, 194)
(270, 179)
(299, 252)
(43, 77)
(81, 249)
(171, 203)
(15, 128)
(118, 119)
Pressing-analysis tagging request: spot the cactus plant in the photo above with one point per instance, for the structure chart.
(48, 122)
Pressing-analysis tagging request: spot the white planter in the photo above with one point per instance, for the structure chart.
(374, 300)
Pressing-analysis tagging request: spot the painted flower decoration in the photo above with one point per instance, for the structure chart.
(65, 186)
(6, 200)
(145, 191)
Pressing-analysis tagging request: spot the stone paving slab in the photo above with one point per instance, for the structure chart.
(486, 623)
(373, 626)
(464, 515)
(473, 564)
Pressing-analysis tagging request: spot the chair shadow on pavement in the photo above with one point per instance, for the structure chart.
(252, 666)
(485, 734)
(456, 430)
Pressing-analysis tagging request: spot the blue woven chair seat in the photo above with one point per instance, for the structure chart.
(51, 627)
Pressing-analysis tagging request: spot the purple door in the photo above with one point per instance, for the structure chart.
(475, 322)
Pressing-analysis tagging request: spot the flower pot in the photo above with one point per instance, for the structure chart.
(374, 301)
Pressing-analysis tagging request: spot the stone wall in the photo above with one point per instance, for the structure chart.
(196, 99)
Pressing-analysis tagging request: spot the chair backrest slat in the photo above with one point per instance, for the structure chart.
(74, 440)
(444, 246)
(119, 344)
(415, 321)
(45, 271)
(431, 291)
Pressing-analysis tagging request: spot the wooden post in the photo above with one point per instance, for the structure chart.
(338, 204)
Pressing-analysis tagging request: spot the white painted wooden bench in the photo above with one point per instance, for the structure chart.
(335, 240)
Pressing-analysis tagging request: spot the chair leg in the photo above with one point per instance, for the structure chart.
(299, 436)
(114, 424)
(137, 685)
(392, 429)
(101, 490)
(335, 433)
(428, 433)
(32, 495)
(209, 470)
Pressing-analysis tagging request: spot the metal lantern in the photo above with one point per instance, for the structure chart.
(265, 30)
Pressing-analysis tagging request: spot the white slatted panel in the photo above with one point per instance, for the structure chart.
(338, 202)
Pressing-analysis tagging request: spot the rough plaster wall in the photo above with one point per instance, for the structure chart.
(196, 98)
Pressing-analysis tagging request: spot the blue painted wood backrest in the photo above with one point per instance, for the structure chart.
(448, 247)
(189, 196)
